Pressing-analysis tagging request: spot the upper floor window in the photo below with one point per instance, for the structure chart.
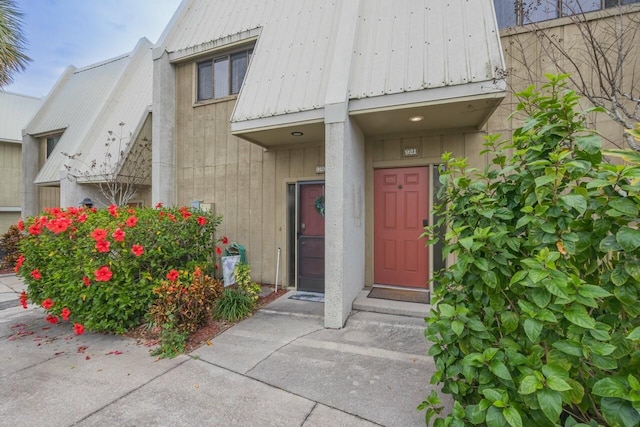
(52, 141)
(521, 12)
(223, 75)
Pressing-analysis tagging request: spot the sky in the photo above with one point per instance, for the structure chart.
(60, 33)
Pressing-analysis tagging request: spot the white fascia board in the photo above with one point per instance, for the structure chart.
(279, 121)
(10, 209)
(227, 42)
(440, 95)
(11, 141)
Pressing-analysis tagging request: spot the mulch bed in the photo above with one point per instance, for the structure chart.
(203, 336)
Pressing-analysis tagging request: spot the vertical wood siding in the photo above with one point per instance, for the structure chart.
(10, 174)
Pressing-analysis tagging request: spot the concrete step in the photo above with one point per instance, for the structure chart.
(376, 305)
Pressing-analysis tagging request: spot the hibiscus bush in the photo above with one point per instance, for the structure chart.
(538, 322)
(98, 268)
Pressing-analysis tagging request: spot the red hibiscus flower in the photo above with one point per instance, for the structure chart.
(102, 246)
(82, 218)
(158, 205)
(23, 299)
(130, 211)
(35, 273)
(19, 263)
(113, 210)
(118, 235)
(58, 225)
(172, 275)
(202, 220)
(86, 281)
(225, 240)
(185, 212)
(78, 329)
(65, 313)
(35, 229)
(20, 224)
(51, 319)
(47, 304)
(171, 217)
(103, 274)
(218, 250)
(137, 250)
(131, 221)
(99, 234)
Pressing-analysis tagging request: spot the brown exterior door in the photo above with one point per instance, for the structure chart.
(400, 210)
(311, 238)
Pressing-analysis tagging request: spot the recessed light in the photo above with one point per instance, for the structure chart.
(297, 133)
(416, 118)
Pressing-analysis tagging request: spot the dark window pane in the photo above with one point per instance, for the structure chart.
(221, 77)
(574, 7)
(205, 81)
(238, 70)
(612, 3)
(52, 141)
(539, 10)
(505, 13)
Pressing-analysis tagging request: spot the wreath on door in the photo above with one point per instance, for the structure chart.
(320, 205)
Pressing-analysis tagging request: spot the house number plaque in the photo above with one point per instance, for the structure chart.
(410, 152)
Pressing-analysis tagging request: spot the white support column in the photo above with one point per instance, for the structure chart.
(163, 157)
(30, 195)
(344, 220)
(344, 180)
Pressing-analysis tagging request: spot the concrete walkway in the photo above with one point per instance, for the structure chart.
(277, 368)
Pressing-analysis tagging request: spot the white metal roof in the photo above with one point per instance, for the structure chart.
(15, 112)
(400, 46)
(87, 102)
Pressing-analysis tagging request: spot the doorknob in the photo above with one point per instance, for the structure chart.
(302, 226)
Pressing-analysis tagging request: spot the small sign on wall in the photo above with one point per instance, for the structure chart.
(319, 169)
(410, 152)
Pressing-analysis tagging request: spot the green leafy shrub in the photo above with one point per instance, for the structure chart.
(102, 265)
(186, 302)
(235, 304)
(172, 342)
(10, 245)
(538, 321)
(242, 274)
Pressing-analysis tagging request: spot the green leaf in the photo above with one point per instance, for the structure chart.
(500, 370)
(634, 335)
(489, 278)
(610, 387)
(625, 206)
(557, 384)
(570, 348)
(550, 402)
(509, 321)
(481, 263)
(532, 328)
(575, 201)
(495, 418)
(593, 291)
(492, 394)
(512, 416)
(529, 384)
(457, 327)
(609, 243)
(576, 393)
(619, 412)
(578, 315)
(467, 242)
(628, 238)
(519, 276)
(446, 310)
(538, 275)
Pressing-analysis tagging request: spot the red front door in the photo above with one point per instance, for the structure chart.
(311, 238)
(400, 207)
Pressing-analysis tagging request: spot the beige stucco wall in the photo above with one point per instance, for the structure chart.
(243, 182)
(527, 62)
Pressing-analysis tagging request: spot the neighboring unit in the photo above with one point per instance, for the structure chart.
(15, 112)
(69, 133)
(315, 128)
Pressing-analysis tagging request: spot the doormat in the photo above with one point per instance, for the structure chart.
(403, 295)
(308, 296)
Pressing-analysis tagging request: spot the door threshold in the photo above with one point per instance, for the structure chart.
(399, 287)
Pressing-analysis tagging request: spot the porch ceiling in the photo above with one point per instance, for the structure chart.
(286, 135)
(455, 114)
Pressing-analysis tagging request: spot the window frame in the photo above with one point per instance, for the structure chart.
(210, 62)
(53, 137)
(520, 18)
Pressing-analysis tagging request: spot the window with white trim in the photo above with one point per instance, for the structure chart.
(522, 12)
(222, 75)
